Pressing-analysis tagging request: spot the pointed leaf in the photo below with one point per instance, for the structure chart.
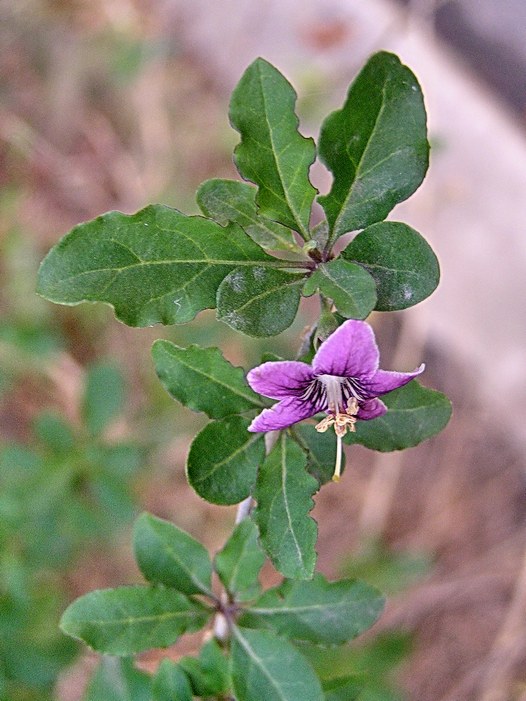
(259, 301)
(223, 460)
(203, 380)
(320, 449)
(284, 499)
(167, 555)
(128, 620)
(155, 266)
(327, 613)
(119, 680)
(272, 153)
(414, 414)
(350, 287)
(348, 689)
(235, 201)
(269, 668)
(375, 146)
(103, 396)
(238, 564)
(171, 683)
(402, 263)
(209, 674)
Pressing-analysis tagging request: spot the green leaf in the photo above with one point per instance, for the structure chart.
(239, 562)
(402, 263)
(201, 379)
(155, 266)
(284, 499)
(209, 674)
(327, 613)
(272, 153)
(103, 397)
(414, 414)
(118, 680)
(375, 146)
(235, 201)
(128, 620)
(269, 668)
(350, 287)
(320, 449)
(170, 683)
(259, 301)
(167, 555)
(223, 460)
(55, 432)
(344, 689)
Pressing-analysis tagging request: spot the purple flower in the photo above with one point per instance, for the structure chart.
(343, 381)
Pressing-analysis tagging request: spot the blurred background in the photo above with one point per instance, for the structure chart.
(113, 104)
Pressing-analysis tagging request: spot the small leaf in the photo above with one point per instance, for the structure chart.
(55, 432)
(170, 683)
(128, 620)
(348, 689)
(202, 380)
(320, 449)
(269, 668)
(155, 266)
(375, 146)
(350, 287)
(259, 301)
(209, 674)
(402, 263)
(414, 414)
(223, 460)
(118, 680)
(284, 499)
(167, 555)
(235, 201)
(239, 562)
(272, 153)
(327, 613)
(103, 397)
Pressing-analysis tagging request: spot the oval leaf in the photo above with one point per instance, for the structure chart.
(269, 668)
(318, 611)
(128, 620)
(414, 414)
(375, 146)
(202, 380)
(350, 287)
(238, 564)
(155, 266)
(259, 301)
(284, 499)
(402, 263)
(272, 153)
(234, 201)
(223, 461)
(167, 555)
(170, 682)
(119, 680)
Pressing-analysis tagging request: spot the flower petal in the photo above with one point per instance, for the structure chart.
(384, 381)
(283, 414)
(351, 351)
(280, 379)
(370, 409)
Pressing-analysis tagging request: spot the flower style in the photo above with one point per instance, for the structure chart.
(343, 381)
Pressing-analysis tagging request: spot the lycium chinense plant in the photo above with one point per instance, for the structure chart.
(252, 255)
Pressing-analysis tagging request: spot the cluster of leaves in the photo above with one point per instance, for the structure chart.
(70, 490)
(269, 634)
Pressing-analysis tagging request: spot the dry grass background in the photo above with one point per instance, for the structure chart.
(113, 104)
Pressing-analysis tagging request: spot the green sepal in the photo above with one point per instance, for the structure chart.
(170, 683)
(272, 153)
(223, 460)
(350, 287)
(414, 414)
(283, 493)
(259, 301)
(270, 668)
(400, 260)
(234, 201)
(317, 611)
(375, 146)
(203, 380)
(128, 620)
(239, 562)
(170, 556)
